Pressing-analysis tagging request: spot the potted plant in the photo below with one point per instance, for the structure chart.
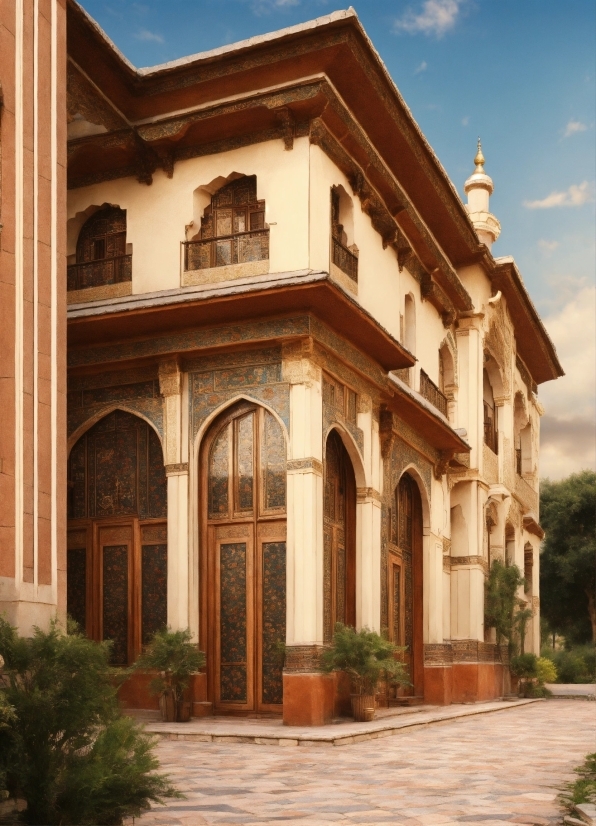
(524, 667)
(175, 658)
(367, 657)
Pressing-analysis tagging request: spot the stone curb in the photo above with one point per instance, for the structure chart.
(176, 731)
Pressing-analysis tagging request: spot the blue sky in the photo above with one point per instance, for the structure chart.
(519, 73)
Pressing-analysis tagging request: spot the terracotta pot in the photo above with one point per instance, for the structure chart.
(167, 706)
(363, 707)
(183, 711)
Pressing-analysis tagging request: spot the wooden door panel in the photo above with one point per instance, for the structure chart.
(271, 613)
(234, 617)
(114, 564)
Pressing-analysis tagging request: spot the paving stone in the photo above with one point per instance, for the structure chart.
(485, 769)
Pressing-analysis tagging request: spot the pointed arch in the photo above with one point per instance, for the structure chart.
(353, 452)
(105, 411)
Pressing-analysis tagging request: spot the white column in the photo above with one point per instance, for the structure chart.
(469, 397)
(368, 523)
(304, 588)
(170, 382)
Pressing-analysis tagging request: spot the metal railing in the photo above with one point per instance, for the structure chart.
(430, 391)
(226, 249)
(345, 259)
(99, 273)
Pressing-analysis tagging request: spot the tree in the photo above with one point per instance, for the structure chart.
(568, 559)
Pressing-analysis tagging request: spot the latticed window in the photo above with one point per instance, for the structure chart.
(232, 228)
(101, 257)
(342, 256)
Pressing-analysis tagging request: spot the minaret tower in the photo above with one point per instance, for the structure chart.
(479, 188)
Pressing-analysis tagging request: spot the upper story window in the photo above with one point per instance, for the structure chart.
(522, 436)
(490, 414)
(232, 230)
(101, 256)
(344, 253)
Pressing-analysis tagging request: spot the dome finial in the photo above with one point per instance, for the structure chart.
(479, 159)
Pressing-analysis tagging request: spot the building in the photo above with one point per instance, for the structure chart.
(301, 389)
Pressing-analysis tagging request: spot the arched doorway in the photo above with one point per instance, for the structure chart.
(404, 585)
(117, 537)
(339, 527)
(243, 559)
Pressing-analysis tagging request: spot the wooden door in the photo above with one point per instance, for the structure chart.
(243, 563)
(339, 526)
(404, 580)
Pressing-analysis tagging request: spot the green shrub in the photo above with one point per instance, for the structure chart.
(582, 790)
(67, 749)
(500, 601)
(546, 671)
(524, 666)
(175, 657)
(366, 657)
(571, 667)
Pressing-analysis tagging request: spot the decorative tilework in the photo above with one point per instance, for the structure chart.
(219, 475)
(154, 590)
(233, 672)
(274, 619)
(76, 585)
(116, 469)
(273, 464)
(115, 601)
(245, 461)
(151, 409)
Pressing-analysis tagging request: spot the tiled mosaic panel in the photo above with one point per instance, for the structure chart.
(115, 601)
(116, 469)
(396, 619)
(274, 619)
(232, 613)
(273, 462)
(245, 461)
(76, 585)
(154, 590)
(219, 474)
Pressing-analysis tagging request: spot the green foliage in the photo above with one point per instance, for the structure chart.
(546, 671)
(500, 599)
(568, 557)
(175, 657)
(366, 657)
(524, 666)
(582, 790)
(578, 665)
(66, 749)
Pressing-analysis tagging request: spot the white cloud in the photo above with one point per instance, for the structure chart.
(576, 195)
(465, 121)
(435, 18)
(548, 246)
(422, 68)
(152, 37)
(573, 127)
(568, 432)
(265, 6)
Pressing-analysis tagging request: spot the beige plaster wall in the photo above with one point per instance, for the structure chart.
(157, 215)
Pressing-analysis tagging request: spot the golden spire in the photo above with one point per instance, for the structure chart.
(479, 159)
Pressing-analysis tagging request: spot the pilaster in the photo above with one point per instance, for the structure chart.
(170, 385)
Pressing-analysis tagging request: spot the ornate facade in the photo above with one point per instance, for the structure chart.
(301, 389)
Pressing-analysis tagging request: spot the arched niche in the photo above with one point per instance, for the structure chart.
(101, 254)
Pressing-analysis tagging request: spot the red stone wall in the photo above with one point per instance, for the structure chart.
(32, 309)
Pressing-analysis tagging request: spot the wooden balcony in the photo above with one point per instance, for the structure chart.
(226, 249)
(99, 273)
(430, 391)
(344, 259)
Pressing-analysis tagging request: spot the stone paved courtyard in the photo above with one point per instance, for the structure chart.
(487, 769)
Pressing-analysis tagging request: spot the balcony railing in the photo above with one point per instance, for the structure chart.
(345, 259)
(99, 273)
(226, 249)
(430, 391)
